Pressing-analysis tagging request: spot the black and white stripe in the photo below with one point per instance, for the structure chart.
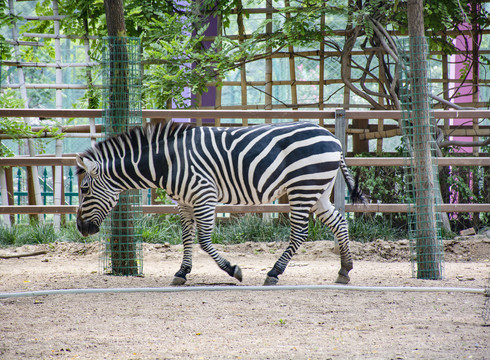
(200, 167)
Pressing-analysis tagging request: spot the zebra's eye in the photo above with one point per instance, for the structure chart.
(84, 189)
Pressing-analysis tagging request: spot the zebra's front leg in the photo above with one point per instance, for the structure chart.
(205, 224)
(188, 235)
(299, 232)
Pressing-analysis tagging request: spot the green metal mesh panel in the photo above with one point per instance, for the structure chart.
(486, 304)
(121, 72)
(424, 216)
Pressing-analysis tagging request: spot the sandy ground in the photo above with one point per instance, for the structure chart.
(300, 324)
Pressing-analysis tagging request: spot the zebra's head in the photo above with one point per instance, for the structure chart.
(97, 196)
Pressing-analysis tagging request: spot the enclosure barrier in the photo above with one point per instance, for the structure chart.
(85, 130)
(372, 132)
(272, 208)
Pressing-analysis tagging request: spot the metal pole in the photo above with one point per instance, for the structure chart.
(180, 289)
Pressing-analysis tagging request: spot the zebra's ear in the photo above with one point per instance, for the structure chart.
(81, 164)
(89, 166)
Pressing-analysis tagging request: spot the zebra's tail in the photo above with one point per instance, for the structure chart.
(356, 195)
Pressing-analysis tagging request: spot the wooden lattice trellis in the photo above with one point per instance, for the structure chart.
(362, 130)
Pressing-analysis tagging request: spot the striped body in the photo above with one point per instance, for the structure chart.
(202, 166)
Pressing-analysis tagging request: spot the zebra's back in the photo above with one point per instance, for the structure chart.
(257, 164)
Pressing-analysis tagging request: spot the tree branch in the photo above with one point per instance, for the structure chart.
(344, 61)
(464, 143)
(450, 104)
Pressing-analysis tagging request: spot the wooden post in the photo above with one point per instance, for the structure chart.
(217, 100)
(9, 174)
(5, 199)
(58, 171)
(475, 40)
(268, 63)
(292, 69)
(321, 74)
(243, 69)
(339, 188)
(31, 190)
(382, 78)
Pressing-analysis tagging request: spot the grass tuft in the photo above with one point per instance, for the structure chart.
(166, 229)
(249, 228)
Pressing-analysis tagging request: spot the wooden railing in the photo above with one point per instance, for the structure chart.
(22, 161)
(279, 208)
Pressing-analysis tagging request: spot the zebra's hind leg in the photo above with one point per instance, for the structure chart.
(329, 216)
(188, 235)
(299, 231)
(205, 223)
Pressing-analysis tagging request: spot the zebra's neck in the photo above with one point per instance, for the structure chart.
(137, 159)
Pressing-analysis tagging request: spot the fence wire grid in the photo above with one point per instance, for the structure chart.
(121, 72)
(422, 182)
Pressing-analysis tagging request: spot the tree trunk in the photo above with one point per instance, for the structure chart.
(114, 14)
(122, 244)
(428, 262)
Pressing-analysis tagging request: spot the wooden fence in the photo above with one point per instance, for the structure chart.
(267, 115)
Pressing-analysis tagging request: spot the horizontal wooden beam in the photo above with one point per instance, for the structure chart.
(241, 114)
(351, 161)
(47, 113)
(38, 209)
(400, 161)
(21, 161)
(233, 209)
(403, 208)
(266, 208)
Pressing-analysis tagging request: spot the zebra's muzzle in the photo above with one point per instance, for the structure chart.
(87, 228)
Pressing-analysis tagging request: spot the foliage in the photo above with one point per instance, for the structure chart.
(249, 228)
(10, 126)
(33, 234)
(18, 235)
(5, 21)
(17, 128)
(177, 56)
(469, 184)
(366, 228)
(254, 228)
(161, 229)
(166, 229)
(162, 197)
(384, 184)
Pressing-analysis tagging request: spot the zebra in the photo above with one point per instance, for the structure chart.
(199, 167)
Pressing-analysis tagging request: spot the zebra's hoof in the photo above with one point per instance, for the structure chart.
(237, 273)
(342, 279)
(178, 281)
(270, 280)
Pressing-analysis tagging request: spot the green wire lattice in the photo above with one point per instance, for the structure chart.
(424, 215)
(121, 74)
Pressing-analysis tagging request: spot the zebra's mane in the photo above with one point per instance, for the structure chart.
(130, 137)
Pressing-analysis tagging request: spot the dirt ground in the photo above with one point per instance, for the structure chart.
(299, 324)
